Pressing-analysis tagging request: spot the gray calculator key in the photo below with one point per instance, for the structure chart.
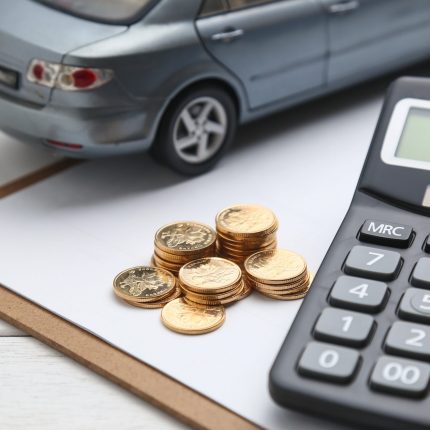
(400, 376)
(421, 273)
(409, 339)
(386, 233)
(345, 327)
(330, 362)
(359, 293)
(415, 305)
(373, 263)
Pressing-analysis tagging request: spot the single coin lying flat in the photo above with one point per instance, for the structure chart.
(185, 318)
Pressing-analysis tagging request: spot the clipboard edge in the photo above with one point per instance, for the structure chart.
(155, 387)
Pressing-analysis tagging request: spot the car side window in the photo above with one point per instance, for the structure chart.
(211, 7)
(241, 4)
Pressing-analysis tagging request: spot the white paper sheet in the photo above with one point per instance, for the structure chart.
(18, 159)
(64, 239)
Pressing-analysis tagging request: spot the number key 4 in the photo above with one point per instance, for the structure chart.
(359, 293)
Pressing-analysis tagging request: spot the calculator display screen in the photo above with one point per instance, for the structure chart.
(414, 141)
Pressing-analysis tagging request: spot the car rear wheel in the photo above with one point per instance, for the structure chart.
(196, 131)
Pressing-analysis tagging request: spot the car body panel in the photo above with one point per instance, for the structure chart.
(291, 51)
(101, 132)
(155, 60)
(274, 57)
(44, 33)
(376, 36)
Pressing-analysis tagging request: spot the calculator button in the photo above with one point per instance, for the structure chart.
(400, 376)
(421, 273)
(415, 305)
(427, 245)
(330, 362)
(409, 339)
(346, 327)
(373, 263)
(359, 293)
(386, 233)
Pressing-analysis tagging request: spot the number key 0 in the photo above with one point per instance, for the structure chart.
(330, 362)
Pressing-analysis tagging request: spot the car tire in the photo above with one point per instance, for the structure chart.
(196, 130)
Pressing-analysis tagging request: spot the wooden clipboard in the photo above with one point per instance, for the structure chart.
(134, 375)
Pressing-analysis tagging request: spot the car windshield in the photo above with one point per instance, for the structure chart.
(112, 11)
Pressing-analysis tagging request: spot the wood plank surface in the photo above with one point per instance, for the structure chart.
(7, 330)
(43, 389)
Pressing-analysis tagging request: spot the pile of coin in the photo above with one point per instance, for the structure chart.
(278, 274)
(243, 230)
(146, 287)
(178, 243)
(194, 303)
(212, 281)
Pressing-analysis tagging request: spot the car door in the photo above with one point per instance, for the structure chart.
(277, 48)
(368, 37)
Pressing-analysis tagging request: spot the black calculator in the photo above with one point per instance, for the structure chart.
(359, 349)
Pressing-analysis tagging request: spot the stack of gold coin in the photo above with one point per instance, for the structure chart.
(146, 287)
(178, 243)
(278, 274)
(212, 281)
(245, 229)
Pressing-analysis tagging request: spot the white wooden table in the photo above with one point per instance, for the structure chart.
(39, 387)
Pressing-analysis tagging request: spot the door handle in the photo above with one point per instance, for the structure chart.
(344, 7)
(228, 35)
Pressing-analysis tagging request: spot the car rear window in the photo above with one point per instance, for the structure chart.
(110, 11)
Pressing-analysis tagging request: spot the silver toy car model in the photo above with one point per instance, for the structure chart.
(103, 77)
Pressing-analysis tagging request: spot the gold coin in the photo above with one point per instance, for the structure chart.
(207, 300)
(247, 242)
(282, 287)
(246, 221)
(247, 290)
(282, 292)
(156, 263)
(143, 283)
(182, 259)
(185, 318)
(211, 274)
(166, 264)
(277, 265)
(185, 237)
(213, 296)
(159, 304)
(245, 252)
(295, 296)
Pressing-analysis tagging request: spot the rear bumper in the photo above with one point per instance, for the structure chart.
(100, 131)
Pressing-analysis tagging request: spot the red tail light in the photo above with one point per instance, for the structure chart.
(68, 78)
(37, 71)
(84, 78)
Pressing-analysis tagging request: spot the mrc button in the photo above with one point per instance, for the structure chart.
(386, 233)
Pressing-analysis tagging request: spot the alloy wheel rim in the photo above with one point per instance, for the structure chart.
(200, 129)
